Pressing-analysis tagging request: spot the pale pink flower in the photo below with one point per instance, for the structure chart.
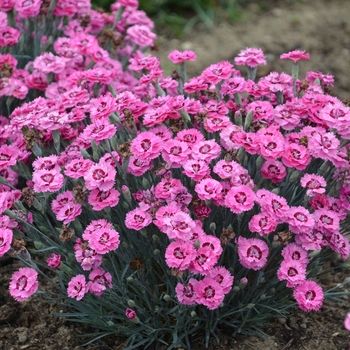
(99, 281)
(310, 241)
(166, 211)
(100, 176)
(315, 184)
(295, 56)
(104, 240)
(6, 236)
(179, 57)
(324, 146)
(204, 260)
(23, 284)
(296, 156)
(179, 254)
(262, 110)
(163, 188)
(274, 205)
(252, 252)
(292, 271)
(226, 169)
(77, 287)
(27, 8)
(250, 57)
(326, 221)
(178, 226)
(196, 169)
(212, 242)
(208, 189)
(87, 257)
(232, 86)
(273, 170)
(77, 168)
(206, 150)
(47, 181)
(137, 219)
(54, 261)
(69, 212)
(146, 145)
(240, 199)
(248, 140)
(262, 224)
(209, 293)
(223, 276)
(309, 296)
(285, 117)
(300, 220)
(293, 251)
(186, 292)
(271, 147)
(140, 35)
(99, 199)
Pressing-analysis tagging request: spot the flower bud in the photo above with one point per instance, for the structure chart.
(263, 297)
(155, 239)
(143, 233)
(197, 244)
(236, 289)
(250, 306)
(193, 314)
(156, 252)
(212, 227)
(167, 297)
(131, 303)
(262, 280)
(38, 245)
(248, 120)
(145, 183)
(124, 244)
(243, 282)
(130, 313)
(129, 279)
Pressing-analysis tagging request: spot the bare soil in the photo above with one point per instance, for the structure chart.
(320, 27)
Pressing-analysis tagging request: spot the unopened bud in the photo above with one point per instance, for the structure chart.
(167, 297)
(155, 238)
(262, 280)
(131, 303)
(156, 252)
(243, 282)
(248, 120)
(197, 244)
(145, 183)
(193, 314)
(236, 289)
(263, 297)
(129, 279)
(124, 244)
(212, 227)
(143, 233)
(250, 306)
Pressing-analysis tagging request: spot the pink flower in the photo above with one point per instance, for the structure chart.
(300, 220)
(212, 242)
(202, 211)
(296, 156)
(140, 35)
(195, 84)
(47, 181)
(179, 57)
(273, 170)
(8, 156)
(176, 152)
(54, 261)
(27, 8)
(146, 145)
(87, 257)
(23, 283)
(310, 241)
(186, 293)
(293, 251)
(77, 287)
(100, 176)
(99, 280)
(252, 252)
(315, 184)
(190, 136)
(138, 166)
(178, 226)
(137, 219)
(196, 169)
(309, 296)
(240, 199)
(209, 293)
(179, 254)
(295, 56)
(6, 236)
(217, 72)
(262, 224)
(250, 57)
(340, 244)
(130, 313)
(292, 271)
(102, 199)
(206, 150)
(326, 221)
(208, 189)
(223, 276)
(204, 260)
(274, 205)
(104, 240)
(99, 131)
(347, 321)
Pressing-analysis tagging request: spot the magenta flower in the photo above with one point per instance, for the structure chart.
(209, 293)
(8, 156)
(47, 181)
(196, 169)
(296, 156)
(293, 251)
(314, 183)
(274, 205)
(176, 152)
(178, 226)
(77, 287)
(130, 313)
(240, 199)
(99, 280)
(250, 57)
(223, 276)
(217, 72)
(274, 171)
(100, 176)
(347, 321)
(54, 261)
(208, 189)
(295, 56)
(146, 146)
(137, 219)
(300, 220)
(179, 57)
(186, 293)
(179, 254)
(23, 283)
(326, 221)
(5, 240)
(252, 252)
(102, 199)
(204, 260)
(206, 150)
(292, 271)
(309, 296)
(104, 240)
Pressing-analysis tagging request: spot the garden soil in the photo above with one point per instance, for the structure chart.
(319, 27)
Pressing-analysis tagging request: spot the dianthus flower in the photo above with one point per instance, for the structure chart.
(195, 84)
(324, 146)
(23, 283)
(202, 211)
(311, 241)
(186, 292)
(47, 181)
(309, 296)
(99, 199)
(271, 147)
(99, 131)
(295, 56)
(138, 166)
(100, 176)
(273, 170)
(190, 136)
(300, 220)
(226, 169)
(293, 251)
(208, 189)
(130, 314)
(196, 169)
(206, 150)
(99, 280)
(217, 72)
(240, 199)
(140, 35)
(179, 254)
(77, 287)
(223, 276)
(179, 57)
(274, 205)
(104, 240)
(8, 156)
(26, 9)
(252, 252)
(175, 152)
(87, 257)
(6, 236)
(137, 219)
(54, 261)
(315, 184)
(209, 293)
(340, 244)
(250, 57)
(296, 156)
(326, 221)
(178, 226)
(292, 271)
(248, 140)
(146, 145)
(262, 224)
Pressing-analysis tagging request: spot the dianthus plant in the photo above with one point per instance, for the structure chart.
(166, 207)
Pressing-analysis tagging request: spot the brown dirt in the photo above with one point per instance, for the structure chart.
(322, 28)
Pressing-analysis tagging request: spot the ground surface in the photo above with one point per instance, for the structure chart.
(322, 28)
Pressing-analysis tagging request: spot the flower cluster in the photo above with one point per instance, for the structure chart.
(178, 194)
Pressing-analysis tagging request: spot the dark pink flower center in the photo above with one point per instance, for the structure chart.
(204, 149)
(227, 168)
(175, 150)
(209, 292)
(78, 287)
(244, 178)
(310, 295)
(178, 253)
(292, 272)
(296, 256)
(263, 222)
(139, 218)
(208, 245)
(296, 154)
(313, 184)
(219, 278)
(325, 219)
(21, 283)
(337, 113)
(300, 217)
(48, 178)
(273, 169)
(254, 252)
(99, 174)
(240, 197)
(104, 238)
(201, 259)
(146, 144)
(5, 157)
(276, 205)
(326, 142)
(271, 145)
(188, 291)
(190, 138)
(196, 167)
